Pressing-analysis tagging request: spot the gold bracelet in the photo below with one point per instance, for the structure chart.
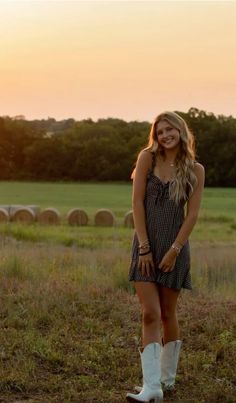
(144, 247)
(144, 244)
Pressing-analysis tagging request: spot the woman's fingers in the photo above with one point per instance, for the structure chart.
(165, 268)
(145, 266)
(149, 267)
(167, 265)
(168, 268)
(160, 266)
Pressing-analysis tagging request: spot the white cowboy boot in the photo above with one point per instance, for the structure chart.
(169, 362)
(151, 368)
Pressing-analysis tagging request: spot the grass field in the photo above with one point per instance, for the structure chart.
(92, 196)
(70, 320)
(217, 218)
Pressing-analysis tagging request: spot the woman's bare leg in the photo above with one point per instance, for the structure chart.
(151, 312)
(168, 302)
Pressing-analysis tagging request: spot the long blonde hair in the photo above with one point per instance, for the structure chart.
(182, 185)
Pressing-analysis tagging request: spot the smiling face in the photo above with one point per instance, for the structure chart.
(167, 136)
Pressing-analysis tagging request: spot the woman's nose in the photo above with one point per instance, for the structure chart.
(164, 134)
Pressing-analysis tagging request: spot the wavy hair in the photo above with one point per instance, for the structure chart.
(182, 185)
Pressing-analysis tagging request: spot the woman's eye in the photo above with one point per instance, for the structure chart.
(169, 129)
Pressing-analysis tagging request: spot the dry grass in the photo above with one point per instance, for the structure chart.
(70, 325)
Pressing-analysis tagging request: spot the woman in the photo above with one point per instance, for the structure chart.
(166, 178)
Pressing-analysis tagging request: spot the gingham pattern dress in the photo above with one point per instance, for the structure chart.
(163, 220)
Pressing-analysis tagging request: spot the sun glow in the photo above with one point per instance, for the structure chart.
(122, 59)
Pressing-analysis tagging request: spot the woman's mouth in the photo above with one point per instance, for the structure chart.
(167, 141)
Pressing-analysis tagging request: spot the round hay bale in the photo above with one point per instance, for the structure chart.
(77, 216)
(6, 207)
(4, 215)
(24, 215)
(13, 209)
(104, 218)
(129, 219)
(36, 210)
(49, 216)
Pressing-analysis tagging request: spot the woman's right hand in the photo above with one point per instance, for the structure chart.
(145, 264)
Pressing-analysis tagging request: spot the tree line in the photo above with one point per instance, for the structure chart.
(106, 150)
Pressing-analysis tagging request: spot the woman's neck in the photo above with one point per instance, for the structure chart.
(170, 155)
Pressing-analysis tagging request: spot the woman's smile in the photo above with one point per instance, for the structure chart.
(167, 135)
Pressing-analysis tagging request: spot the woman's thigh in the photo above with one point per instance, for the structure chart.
(148, 295)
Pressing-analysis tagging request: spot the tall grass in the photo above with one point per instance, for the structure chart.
(70, 324)
(213, 268)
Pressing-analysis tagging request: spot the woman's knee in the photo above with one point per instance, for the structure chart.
(151, 315)
(168, 314)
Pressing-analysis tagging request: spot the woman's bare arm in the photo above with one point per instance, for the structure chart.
(168, 261)
(144, 162)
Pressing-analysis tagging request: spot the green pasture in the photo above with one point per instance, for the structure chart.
(64, 196)
(217, 217)
(92, 196)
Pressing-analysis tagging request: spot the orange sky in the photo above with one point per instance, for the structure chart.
(125, 59)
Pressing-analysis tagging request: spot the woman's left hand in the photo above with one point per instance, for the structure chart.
(168, 261)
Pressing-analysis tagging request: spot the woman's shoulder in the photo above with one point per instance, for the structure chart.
(198, 167)
(199, 171)
(145, 157)
(144, 163)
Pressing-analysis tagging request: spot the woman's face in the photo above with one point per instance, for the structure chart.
(167, 136)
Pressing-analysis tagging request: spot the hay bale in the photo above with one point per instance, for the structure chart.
(129, 219)
(49, 216)
(77, 216)
(13, 208)
(6, 207)
(24, 215)
(4, 215)
(104, 218)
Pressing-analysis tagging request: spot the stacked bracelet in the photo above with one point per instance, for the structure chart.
(144, 248)
(145, 253)
(144, 245)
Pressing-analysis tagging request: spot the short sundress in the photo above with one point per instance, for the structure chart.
(163, 221)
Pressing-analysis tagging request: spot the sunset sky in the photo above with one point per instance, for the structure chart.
(124, 59)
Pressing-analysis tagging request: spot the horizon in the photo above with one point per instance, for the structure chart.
(22, 117)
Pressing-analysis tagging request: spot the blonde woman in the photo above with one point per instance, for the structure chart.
(166, 178)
